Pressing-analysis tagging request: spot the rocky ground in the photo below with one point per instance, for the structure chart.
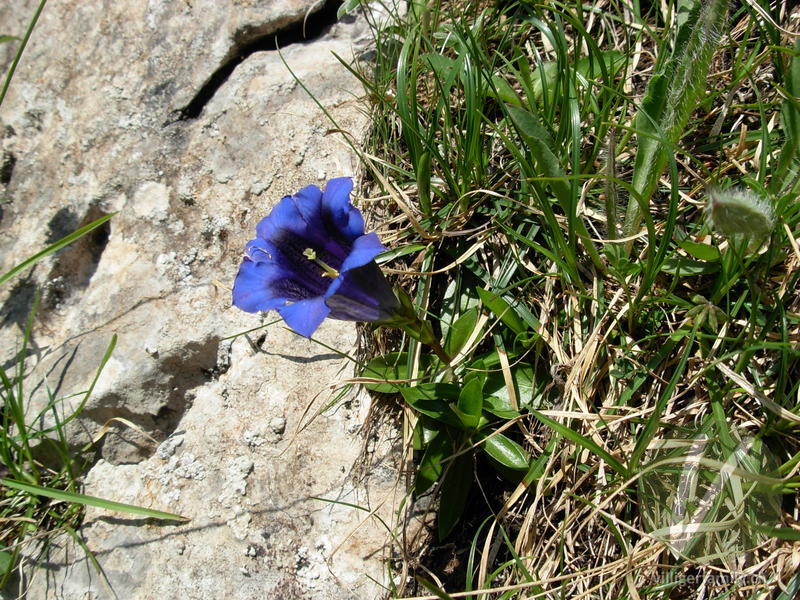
(181, 117)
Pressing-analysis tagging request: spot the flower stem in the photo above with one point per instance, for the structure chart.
(407, 319)
(422, 331)
(439, 351)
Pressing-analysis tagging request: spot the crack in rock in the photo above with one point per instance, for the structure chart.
(251, 40)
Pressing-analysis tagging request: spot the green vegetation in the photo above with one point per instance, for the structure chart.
(597, 205)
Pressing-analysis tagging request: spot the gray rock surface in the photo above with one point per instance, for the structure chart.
(107, 113)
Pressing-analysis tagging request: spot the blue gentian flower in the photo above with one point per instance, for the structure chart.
(311, 260)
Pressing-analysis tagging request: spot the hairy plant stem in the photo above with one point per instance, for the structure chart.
(672, 95)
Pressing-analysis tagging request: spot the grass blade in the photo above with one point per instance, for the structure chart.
(790, 120)
(65, 241)
(20, 50)
(582, 441)
(63, 496)
(652, 423)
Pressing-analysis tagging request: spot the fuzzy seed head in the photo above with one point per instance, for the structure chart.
(739, 212)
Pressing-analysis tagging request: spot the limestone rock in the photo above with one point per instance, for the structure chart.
(146, 109)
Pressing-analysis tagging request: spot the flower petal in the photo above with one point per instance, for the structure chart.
(299, 222)
(252, 288)
(308, 203)
(259, 250)
(292, 213)
(365, 249)
(306, 315)
(338, 211)
(362, 294)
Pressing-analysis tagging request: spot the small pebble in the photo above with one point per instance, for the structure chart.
(168, 447)
(277, 425)
(252, 438)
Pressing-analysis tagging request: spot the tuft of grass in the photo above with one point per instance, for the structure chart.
(544, 169)
(40, 471)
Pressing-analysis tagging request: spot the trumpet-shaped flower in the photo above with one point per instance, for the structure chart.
(311, 260)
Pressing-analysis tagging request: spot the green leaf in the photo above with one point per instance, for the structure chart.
(700, 251)
(6, 561)
(538, 466)
(392, 366)
(433, 399)
(582, 441)
(686, 267)
(548, 71)
(543, 150)
(671, 96)
(20, 49)
(654, 420)
(390, 255)
(649, 136)
(790, 120)
(782, 533)
(541, 147)
(422, 168)
(431, 467)
(434, 589)
(792, 589)
(424, 433)
(524, 386)
(346, 7)
(502, 309)
(445, 69)
(3, 40)
(460, 331)
(455, 490)
(109, 351)
(500, 407)
(507, 452)
(503, 92)
(65, 496)
(470, 402)
(65, 241)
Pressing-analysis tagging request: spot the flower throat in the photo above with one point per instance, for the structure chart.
(328, 271)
